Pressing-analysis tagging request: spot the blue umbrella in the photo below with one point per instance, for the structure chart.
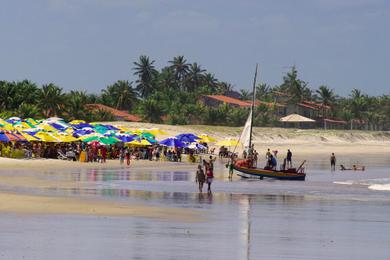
(188, 138)
(172, 142)
(126, 138)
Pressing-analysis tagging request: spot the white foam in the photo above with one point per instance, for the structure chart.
(381, 187)
(343, 182)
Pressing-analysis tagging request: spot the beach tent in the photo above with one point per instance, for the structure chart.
(295, 118)
(172, 142)
(297, 121)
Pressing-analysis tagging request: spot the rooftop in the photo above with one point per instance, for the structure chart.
(117, 113)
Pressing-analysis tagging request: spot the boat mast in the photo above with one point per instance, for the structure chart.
(252, 107)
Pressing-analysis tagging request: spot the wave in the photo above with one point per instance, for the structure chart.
(380, 187)
(382, 184)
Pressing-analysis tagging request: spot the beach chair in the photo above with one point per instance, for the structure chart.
(61, 155)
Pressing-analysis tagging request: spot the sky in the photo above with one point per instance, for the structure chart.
(89, 44)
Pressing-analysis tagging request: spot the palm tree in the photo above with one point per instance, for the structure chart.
(224, 87)
(75, 105)
(194, 77)
(295, 87)
(51, 100)
(28, 110)
(358, 104)
(121, 95)
(263, 92)
(180, 68)
(246, 94)
(147, 75)
(211, 82)
(151, 111)
(327, 99)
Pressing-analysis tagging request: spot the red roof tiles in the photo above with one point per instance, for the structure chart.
(229, 100)
(117, 113)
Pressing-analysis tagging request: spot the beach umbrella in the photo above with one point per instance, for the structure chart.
(126, 138)
(206, 139)
(31, 121)
(141, 142)
(46, 137)
(10, 137)
(76, 122)
(228, 142)
(172, 142)
(101, 139)
(28, 137)
(188, 138)
(156, 131)
(82, 126)
(54, 119)
(196, 146)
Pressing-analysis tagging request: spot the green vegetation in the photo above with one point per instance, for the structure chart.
(171, 95)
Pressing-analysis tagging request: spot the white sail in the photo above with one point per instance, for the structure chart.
(246, 132)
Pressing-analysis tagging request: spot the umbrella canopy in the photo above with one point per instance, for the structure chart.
(126, 138)
(46, 137)
(172, 142)
(188, 138)
(295, 118)
(28, 137)
(8, 137)
(228, 142)
(76, 122)
(206, 139)
(141, 142)
(196, 146)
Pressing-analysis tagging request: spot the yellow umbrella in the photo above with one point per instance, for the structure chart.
(64, 138)
(206, 138)
(46, 137)
(156, 131)
(76, 122)
(228, 142)
(28, 137)
(47, 127)
(143, 142)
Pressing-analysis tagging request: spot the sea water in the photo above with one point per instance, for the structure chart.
(331, 215)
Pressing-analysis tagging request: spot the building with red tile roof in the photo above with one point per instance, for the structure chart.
(119, 114)
(216, 100)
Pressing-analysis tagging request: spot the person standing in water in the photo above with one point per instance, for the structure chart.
(289, 159)
(333, 162)
(200, 177)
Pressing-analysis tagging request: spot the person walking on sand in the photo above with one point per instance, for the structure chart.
(127, 157)
(200, 178)
(209, 178)
(230, 166)
(333, 162)
(289, 159)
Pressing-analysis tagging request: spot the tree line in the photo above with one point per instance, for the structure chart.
(171, 94)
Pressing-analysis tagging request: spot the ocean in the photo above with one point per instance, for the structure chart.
(331, 215)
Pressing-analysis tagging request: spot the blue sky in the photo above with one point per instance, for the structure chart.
(88, 44)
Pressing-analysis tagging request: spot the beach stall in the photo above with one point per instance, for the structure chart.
(297, 121)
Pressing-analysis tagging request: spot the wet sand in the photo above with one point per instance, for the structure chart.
(153, 211)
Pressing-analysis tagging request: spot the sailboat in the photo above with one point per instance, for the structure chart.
(245, 167)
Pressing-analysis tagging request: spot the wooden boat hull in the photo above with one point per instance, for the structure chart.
(261, 173)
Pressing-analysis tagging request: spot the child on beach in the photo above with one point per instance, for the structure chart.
(200, 177)
(121, 156)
